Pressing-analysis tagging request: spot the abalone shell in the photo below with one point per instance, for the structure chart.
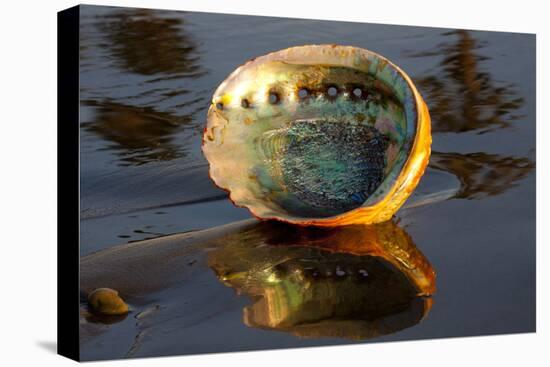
(320, 134)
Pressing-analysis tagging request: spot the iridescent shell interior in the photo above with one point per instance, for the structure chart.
(311, 133)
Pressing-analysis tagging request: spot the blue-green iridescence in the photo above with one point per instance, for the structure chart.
(325, 138)
(332, 166)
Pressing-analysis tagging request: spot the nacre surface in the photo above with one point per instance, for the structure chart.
(321, 134)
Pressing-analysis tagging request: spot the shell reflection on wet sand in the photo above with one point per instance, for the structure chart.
(321, 135)
(355, 282)
(351, 282)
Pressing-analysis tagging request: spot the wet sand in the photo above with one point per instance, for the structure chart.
(351, 283)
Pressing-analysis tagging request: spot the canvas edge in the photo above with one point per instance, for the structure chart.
(68, 183)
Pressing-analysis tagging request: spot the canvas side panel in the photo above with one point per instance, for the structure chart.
(68, 177)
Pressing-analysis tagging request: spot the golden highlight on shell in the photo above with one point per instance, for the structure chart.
(322, 135)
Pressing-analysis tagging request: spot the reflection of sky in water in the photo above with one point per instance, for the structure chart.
(143, 109)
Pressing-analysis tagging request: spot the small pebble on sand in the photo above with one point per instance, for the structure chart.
(106, 301)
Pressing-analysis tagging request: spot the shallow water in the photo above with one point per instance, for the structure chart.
(146, 80)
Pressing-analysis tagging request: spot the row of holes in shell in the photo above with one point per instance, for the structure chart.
(330, 92)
